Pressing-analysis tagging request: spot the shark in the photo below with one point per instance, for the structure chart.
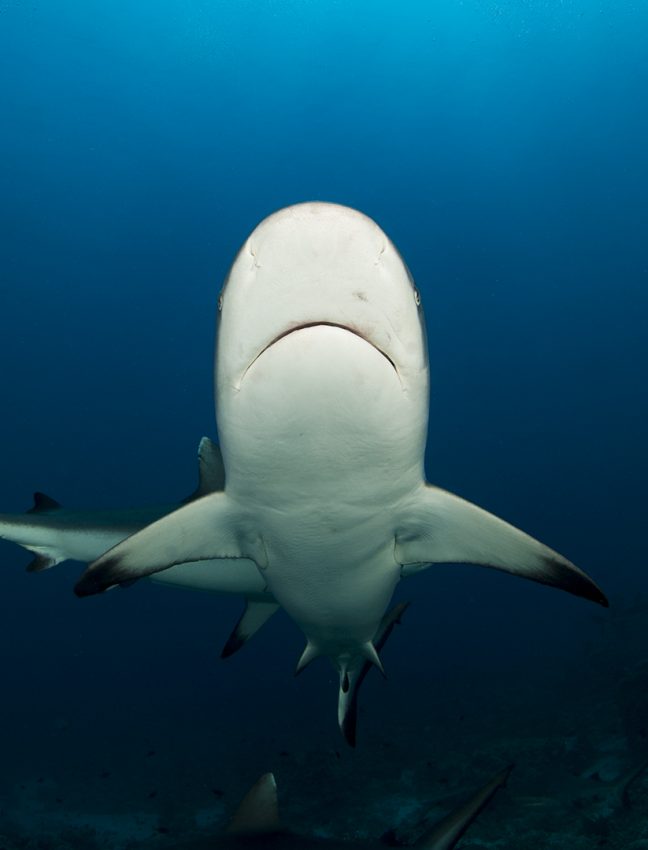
(256, 823)
(322, 402)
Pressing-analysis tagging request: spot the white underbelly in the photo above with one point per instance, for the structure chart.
(321, 418)
(336, 599)
(319, 448)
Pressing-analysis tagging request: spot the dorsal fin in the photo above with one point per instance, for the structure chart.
(211, 472)
(258, 811)
(43, 504)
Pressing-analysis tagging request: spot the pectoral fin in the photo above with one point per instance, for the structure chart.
(208, 528)
(442, 528)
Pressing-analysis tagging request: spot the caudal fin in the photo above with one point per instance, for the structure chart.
(355, 675)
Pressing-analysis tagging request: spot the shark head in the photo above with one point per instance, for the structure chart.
(320, 333)
(312, 265)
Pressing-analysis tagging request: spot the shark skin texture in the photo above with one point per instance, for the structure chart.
(256, 824)
(322, 400)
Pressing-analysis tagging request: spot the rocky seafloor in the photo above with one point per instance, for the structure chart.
(133, 776)
(577, 783)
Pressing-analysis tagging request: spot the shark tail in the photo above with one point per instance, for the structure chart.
(352, 678)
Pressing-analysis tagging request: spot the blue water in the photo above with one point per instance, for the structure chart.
(504, 148)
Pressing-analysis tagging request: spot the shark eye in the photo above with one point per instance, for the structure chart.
(220, 302)
(417, 297)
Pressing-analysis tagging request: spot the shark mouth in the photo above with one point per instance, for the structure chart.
(306, 325)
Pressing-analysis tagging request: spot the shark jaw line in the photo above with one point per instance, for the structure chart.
(305, 326)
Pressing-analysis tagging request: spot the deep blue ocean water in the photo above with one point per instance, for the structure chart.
(504, 148)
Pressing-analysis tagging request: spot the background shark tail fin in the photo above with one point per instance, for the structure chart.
(258, 811)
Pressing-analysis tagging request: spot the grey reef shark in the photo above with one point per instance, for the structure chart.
(321, 505)
(256, 824)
